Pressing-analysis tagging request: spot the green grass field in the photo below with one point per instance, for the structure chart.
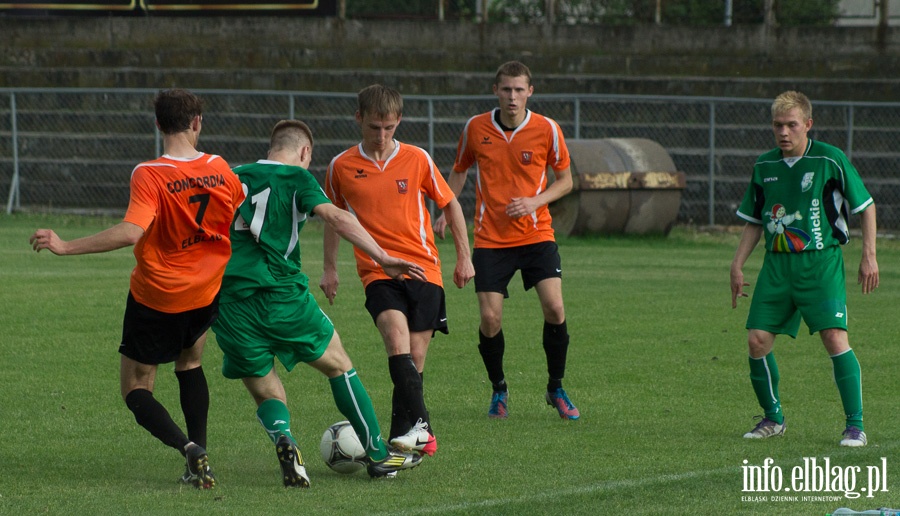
(657, 366)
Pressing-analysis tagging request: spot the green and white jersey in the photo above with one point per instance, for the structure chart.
(803, 203)
(265, 250)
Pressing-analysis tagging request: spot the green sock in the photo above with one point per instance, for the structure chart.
(764, 377)
(354, 403)
(275, 418)
(848, 378)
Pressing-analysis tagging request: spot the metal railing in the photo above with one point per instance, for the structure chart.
(74, 149)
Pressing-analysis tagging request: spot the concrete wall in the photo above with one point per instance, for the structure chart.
(327, 54)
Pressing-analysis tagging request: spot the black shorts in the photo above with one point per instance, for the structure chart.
(153, 337)
(422, 302)
(494, 268)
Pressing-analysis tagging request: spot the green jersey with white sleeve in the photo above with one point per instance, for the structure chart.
(803, 203)
(265, 240)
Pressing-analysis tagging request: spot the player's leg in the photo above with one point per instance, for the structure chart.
(137, 390)
(764, 378)
(493, 270)
(772, 312)
(149, 338)
(394, 328)
(354, 403)
(271, 402)
(420, 436)
(351, 397)
(193, 391)
(273, 414)
(254, 331)
(822, 300)
(848, 378)
(541, 268)
(556, 345)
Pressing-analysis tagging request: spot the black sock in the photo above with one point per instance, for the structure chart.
(194, 403)
(408, 386)
(151, 415)
(556, 345)
(399, 416)
(491, 349)
(427, 414)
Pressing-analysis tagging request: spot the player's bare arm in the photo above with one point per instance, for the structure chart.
(456, 182)
(346, 225)
(329, 281)
(749, 238)
(464, 271)
(523, 206)
(121, 235)
(868, 265)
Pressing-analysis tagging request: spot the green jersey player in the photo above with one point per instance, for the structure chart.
(267, 311)
(800, 197)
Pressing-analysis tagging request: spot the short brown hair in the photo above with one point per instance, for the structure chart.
(290, 134)
(380, 101)
(790, 100)
(513, 69)
(175, 109)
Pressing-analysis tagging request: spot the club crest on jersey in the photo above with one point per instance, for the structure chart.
(526, 157)
(402, 186)
(807, 181)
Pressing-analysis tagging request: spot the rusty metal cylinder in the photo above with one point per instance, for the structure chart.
(621, 186)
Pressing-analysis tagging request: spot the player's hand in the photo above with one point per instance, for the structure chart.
(440, 226)
(397, 268)
(464, 272)
(47, 239)
(737, 287)
(868, 274)
(521, 207)
(329, 285)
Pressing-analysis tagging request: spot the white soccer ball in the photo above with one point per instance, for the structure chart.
(341, 449)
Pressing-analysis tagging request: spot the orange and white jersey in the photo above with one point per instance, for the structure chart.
(511, 164)
(185, 207)
(389, 199)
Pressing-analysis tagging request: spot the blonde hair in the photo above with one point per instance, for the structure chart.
(289, 135)
(379, 101)
(790, 100)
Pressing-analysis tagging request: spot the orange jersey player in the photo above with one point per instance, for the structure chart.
(514, 150)
(386, 184)
(178, 219)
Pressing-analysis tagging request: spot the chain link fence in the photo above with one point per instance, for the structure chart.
(74, 149)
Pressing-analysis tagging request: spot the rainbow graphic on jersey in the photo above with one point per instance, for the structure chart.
(793, 240)
(786, 239)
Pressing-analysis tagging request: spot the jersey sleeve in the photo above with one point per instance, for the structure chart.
(432, 182)
(332, 183)
(143, 202)
(854, 190)
(465, 158)
(558, 158)
(752, 204)
(309, 193)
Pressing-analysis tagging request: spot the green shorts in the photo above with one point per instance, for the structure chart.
(810, 284)
(269, 324)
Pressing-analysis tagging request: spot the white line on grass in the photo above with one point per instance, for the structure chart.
(612, 485)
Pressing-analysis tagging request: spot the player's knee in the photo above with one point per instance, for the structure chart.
(758, 345)
(554, 313)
